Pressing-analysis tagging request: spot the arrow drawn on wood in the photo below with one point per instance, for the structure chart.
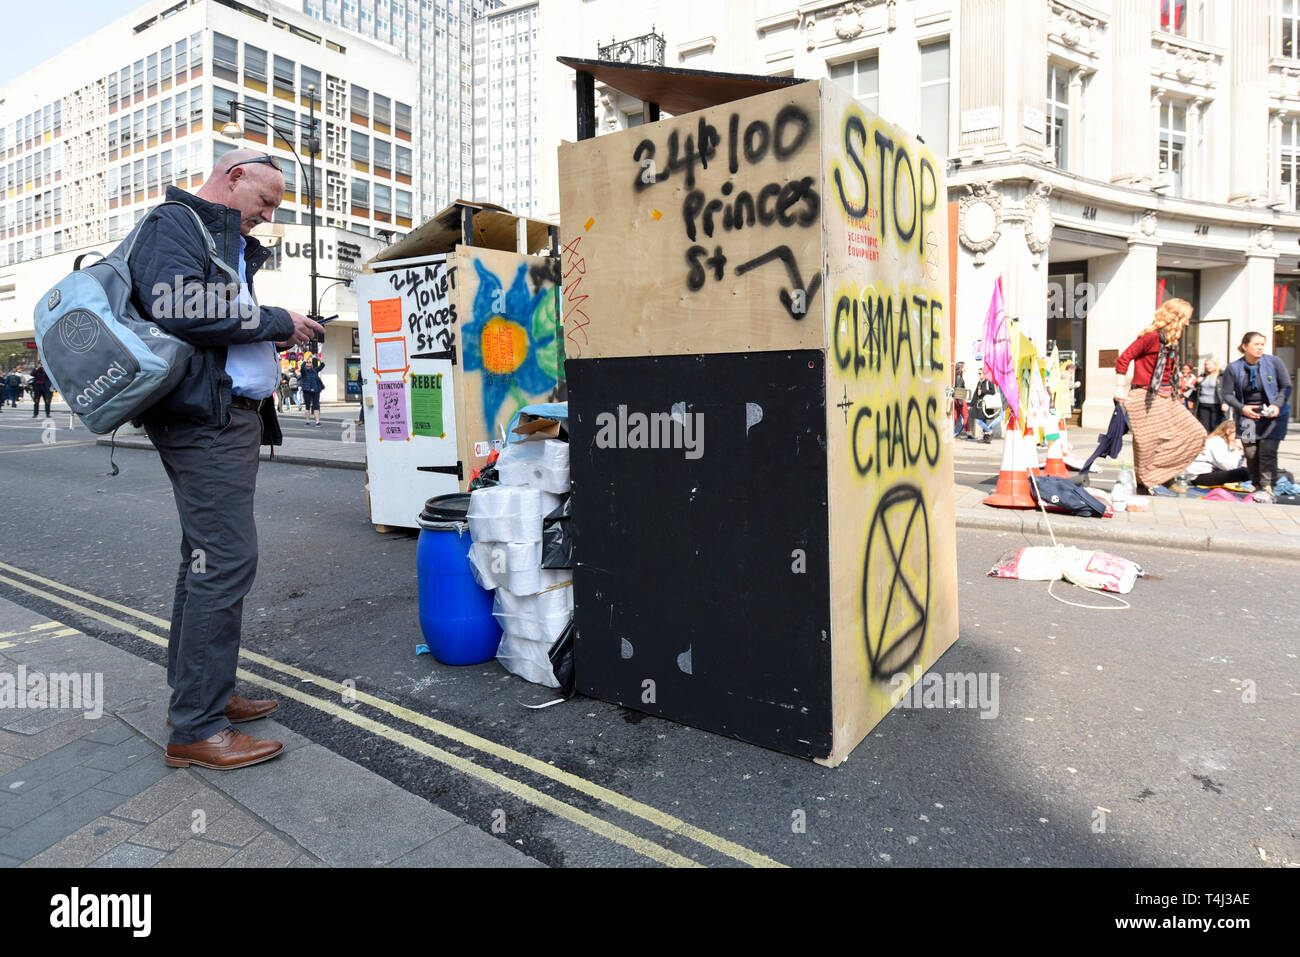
(784, 254)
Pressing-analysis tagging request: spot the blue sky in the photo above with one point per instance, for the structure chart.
(34, 32)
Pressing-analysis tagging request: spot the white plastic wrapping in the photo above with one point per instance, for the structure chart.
(529, 660)
(540, 618)
(514, 566)
(539, 464)
(508, 513)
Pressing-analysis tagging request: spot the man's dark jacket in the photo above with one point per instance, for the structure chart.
(169, 246)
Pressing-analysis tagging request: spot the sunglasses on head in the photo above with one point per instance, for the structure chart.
(269, 160)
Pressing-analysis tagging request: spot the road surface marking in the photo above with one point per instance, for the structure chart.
(613, 798)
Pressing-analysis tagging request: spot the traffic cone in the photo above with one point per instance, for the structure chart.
(1056, 453)
(1031, 451)
(1012, 490)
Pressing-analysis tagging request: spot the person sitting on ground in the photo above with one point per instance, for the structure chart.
(987, 405)
(1221, 461)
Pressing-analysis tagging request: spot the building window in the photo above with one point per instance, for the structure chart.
(1290, 28)
(165, 67)
(934, 97)
(403, 161)
(181, 51)
(403, 203)
(225, 57)
(255, 68)
(1173, 17)
(221, 101)
(1058, 115)
(284, 78)
(283, 126)
(360, 104)
(310, 78)
(360, 194)
(137, 78)
(151, 73)
(383, 155)
(383, 111)
(383, 202)
(1173, 144)
(1290, 175)
(360, 147)
(254, 125)
(862, 79)
(402, 120)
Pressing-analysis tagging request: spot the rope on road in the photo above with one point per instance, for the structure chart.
(1057, 546)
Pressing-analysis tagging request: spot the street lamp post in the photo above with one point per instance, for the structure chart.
(312, 144)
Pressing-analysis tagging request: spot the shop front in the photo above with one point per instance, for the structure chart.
(1286, 328)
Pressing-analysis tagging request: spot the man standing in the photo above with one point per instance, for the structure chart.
(41, 389)
(208, 432)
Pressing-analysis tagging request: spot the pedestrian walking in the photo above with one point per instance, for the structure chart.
(42, 388)
(208, 431)
(13, 388)
(1257, 388)
(960, 407)
(1166, 436)
(311, 385)
(281, 393)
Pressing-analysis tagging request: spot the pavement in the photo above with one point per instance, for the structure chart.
(1245, 528)
(1241, 528)
(87, 786)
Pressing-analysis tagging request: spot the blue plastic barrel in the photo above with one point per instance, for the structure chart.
(455, 612)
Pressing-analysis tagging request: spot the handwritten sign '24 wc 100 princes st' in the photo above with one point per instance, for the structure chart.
(772, 272)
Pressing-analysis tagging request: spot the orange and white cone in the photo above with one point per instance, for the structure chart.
(1031, 451)
(1012, 490)
(1056, 453)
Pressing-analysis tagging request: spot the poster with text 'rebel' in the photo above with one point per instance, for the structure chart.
(407, 329)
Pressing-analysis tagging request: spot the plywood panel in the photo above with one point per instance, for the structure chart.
(671, 247)
(507, 341)
(701, 590)
(889, 434)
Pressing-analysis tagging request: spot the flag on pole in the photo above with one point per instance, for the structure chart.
(999, 362)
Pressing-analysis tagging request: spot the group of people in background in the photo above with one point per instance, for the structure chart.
(1178, 418)
(36, 383)
(301, 386)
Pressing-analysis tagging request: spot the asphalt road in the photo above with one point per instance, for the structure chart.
(1134, 718)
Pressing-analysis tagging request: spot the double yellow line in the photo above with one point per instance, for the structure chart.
(524, 792)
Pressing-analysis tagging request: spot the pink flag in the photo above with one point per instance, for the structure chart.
(999, 362)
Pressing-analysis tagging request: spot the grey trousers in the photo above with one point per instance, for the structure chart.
(213, 474)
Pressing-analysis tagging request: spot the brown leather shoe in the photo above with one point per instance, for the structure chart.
(239, 710)
(222, 752)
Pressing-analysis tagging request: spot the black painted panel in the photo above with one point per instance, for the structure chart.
(685, 556)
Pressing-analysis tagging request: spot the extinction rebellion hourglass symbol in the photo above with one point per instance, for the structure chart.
(896, 581)
(78, 331)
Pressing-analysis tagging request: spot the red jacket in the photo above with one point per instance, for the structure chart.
(1142, 353)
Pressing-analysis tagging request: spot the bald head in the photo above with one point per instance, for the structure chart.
(255, 189)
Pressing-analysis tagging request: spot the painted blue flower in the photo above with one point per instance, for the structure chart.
(511, 338)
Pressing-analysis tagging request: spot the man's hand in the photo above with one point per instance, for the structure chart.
(1249, 412)
(304, 330)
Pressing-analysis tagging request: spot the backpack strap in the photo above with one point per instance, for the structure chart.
(203, 230)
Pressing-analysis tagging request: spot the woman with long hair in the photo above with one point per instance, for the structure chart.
(1166, 437)
(1218, 464)
(1257, 388)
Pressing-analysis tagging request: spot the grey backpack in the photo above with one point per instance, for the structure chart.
(108, 361)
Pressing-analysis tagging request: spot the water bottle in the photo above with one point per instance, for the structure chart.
(1128, 480)
(1118, 497)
